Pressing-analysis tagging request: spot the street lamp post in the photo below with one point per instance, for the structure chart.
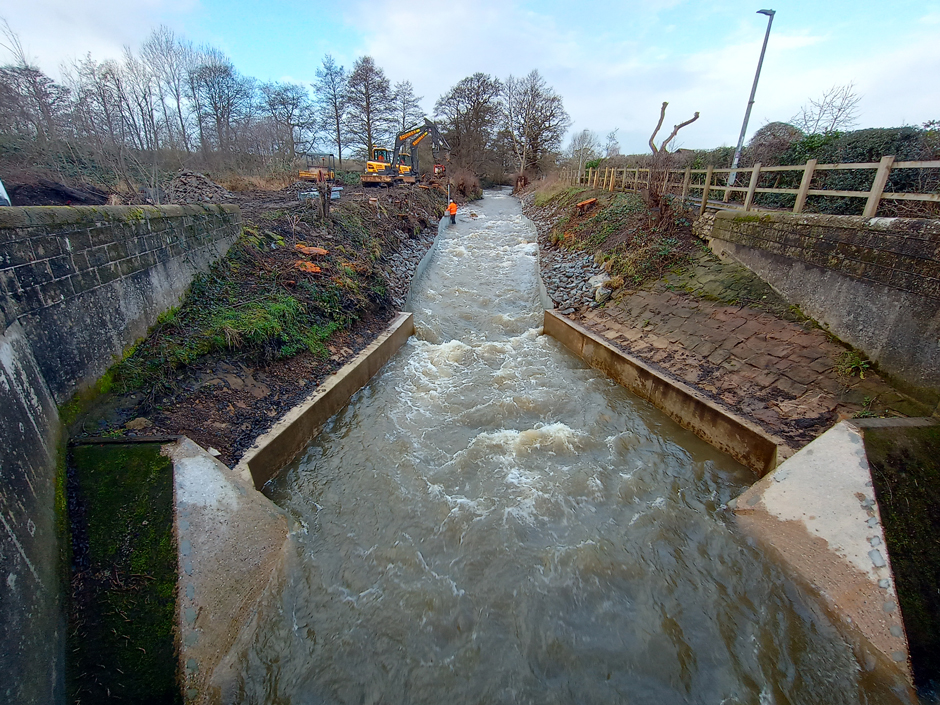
(750, 103)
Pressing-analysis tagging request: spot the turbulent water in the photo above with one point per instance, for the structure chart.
(490, 522)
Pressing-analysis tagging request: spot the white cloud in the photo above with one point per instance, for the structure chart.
(54, 32)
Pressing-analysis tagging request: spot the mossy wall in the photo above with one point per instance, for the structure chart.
(32, 625)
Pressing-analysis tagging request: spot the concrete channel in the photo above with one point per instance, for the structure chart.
(235, 542)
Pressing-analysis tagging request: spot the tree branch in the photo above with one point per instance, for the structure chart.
(675, 130)
(662, 116)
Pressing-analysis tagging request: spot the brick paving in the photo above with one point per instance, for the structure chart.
(783, 374)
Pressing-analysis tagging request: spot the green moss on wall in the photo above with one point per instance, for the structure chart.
(905, 466)
(123, 584)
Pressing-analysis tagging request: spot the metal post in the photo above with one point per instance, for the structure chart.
(750, 103)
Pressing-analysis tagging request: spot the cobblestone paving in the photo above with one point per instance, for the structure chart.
(719, 328)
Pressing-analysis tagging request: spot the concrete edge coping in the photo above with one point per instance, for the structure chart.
(294, 430)
(231, 543)
(817, 514)
(29, 216)
(743, 440)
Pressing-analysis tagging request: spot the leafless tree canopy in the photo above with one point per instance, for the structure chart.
(370, 118)
(534, 117)
(407, 106)
(835, 111)
(611, 145)
(469, 113)
(121, 122)
(332, 102)
(584, 147)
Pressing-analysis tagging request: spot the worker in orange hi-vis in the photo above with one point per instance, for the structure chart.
(452, 209)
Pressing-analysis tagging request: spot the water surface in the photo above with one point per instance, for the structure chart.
(491, 522)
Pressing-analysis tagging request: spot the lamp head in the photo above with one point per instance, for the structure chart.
(769, 13)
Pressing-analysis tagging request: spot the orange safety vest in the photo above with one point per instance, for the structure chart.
(452, 208)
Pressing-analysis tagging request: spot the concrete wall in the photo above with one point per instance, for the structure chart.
(873, 282)
(77, 287)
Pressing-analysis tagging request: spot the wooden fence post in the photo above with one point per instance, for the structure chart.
(597, 173)
(804, 186)
(878, 187)
(708, 183)
(686, 180)
(751, 187)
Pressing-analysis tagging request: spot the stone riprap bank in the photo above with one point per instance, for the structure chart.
(873, 282)
(77, 287)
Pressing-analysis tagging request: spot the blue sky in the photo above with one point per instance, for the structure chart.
(613, 62)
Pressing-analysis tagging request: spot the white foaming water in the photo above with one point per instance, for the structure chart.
(489, 521)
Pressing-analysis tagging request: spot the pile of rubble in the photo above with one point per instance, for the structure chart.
(191, 187)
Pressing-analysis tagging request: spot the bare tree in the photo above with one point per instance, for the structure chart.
(535, 118)
(370, 115)
(583, 148)
(663, 148)
(224, 95)
(661, 162)
(289, 107)
(835, 111)
(168, 59)
(612, 146)
(37, 96)
(407, 105)
(469, 114)
(331, 99)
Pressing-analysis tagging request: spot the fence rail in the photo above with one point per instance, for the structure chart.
(689, 183)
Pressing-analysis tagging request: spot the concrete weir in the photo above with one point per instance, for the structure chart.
(816, 512)
(231, 538)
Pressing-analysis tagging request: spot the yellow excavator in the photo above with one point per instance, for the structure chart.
(400, 165)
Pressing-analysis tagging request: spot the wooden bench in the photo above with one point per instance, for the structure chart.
(584, 205)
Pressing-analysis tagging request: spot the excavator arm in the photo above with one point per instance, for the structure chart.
(414, 136)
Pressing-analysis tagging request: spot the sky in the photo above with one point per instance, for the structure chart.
(613, 63)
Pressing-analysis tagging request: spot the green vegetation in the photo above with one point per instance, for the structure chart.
(852, 363)
(620, 231)
(123, 597)
(905, 466)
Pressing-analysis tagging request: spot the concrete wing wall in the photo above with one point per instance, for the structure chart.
(873, 282)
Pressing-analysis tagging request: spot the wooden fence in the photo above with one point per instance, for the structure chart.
(701, 183)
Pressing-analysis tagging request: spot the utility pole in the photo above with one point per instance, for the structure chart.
(750, 103)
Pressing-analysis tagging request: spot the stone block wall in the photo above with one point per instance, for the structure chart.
(86, 282)
(77, 287)
(873, 282)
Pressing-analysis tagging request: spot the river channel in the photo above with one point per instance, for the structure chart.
(491, 522)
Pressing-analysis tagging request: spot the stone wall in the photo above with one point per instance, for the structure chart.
(873, 282)
(87, 282)
(77, 287)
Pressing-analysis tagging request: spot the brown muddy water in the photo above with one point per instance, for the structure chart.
(491, 522)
